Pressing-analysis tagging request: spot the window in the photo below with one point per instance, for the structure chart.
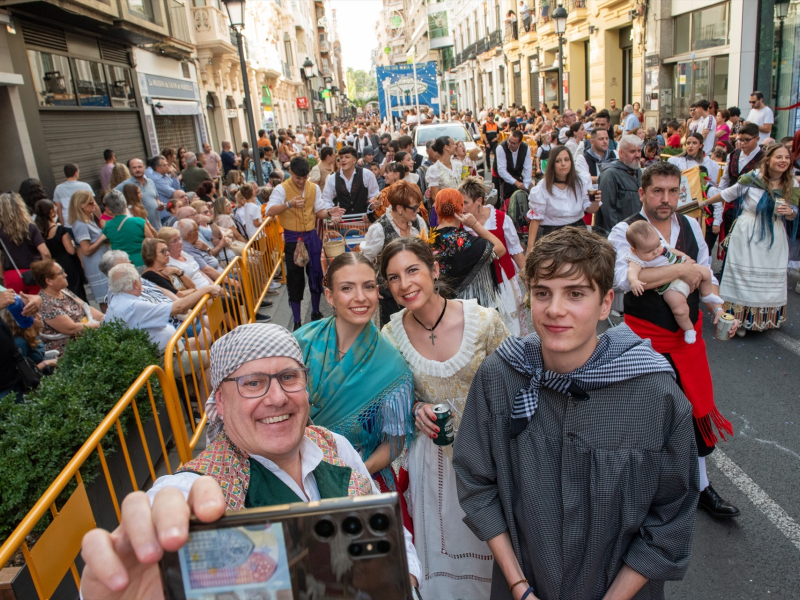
(701, 29)
(214, 3)
(91, 83)
(287, 44)
(52, 78)
(142, 9)
(121, 87)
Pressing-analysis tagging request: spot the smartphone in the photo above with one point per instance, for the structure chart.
(343, 549)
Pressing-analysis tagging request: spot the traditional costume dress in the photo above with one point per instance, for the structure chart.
(455, 564)
(365, 396)
(650, 317)
(737, 164)
(754, 282)
(466, 264)
(587, 471)
(510, 297)
(559, 208)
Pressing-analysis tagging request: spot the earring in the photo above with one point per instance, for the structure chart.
(436, 285)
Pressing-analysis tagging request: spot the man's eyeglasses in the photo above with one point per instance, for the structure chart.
(753, 101)
(256, 385)
(743, 140)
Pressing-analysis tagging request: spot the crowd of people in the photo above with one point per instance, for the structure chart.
(434, 308)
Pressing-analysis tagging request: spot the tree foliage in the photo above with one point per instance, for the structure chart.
(361, 87)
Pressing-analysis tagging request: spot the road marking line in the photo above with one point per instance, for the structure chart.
(779, 517)
(786, 341)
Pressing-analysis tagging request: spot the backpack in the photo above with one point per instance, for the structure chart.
(518, 209)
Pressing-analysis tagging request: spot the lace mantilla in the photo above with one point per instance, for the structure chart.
(448, 368)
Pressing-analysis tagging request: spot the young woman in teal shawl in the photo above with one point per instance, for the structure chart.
(360, 386)
(754, 280)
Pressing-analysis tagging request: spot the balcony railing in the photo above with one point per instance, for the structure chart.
(495, 39)
(178, 22)
(511, 32)
(482, 46)
(324, 47)
(211, 29)
(471, 52)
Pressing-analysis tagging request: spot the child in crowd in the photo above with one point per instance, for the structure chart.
(29, 342)
(648, 251)
(673, 134)
(543, 153)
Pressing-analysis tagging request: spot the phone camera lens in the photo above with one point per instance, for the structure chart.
(355, 549)
(325, 528)
(383, 546)
(379, 522)
(352, 525)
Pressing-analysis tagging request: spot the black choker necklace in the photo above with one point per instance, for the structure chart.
(439, 320)
(557, 180)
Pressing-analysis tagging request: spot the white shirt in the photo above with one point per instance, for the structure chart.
(750, 195)
(138, 313)
(502, 167)
(559, 207)
(707, 123)
(192, 269)
(623, 248)
(744, 160)
(300, 138)
(311, 457)
(712, 167)
(438, 175)
(512, 238)
(246, 215)
(367, 178)
(375, 238)
(63, 194)
(761, 116)
(278, 197)
(582, 167)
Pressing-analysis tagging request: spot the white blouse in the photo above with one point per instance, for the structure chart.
(683, 163)
(561, 207)
(512, 238)
(440, 176)
(375, 238)
(751, 195)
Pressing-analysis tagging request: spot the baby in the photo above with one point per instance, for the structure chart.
(647, 251)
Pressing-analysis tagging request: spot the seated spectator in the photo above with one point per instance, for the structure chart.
(180, 259)
(234, 177)
(249, 213)
(10, 378)
(206, 191)
(65, 316)
(21, 243)
(128, 305)
(177, 202)
(719, 154)
(158, 271)
(125, 232)
(29, 343)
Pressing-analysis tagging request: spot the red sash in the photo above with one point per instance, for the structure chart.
(691, 363)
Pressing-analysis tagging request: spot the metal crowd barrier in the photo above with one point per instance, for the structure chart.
(185, 384)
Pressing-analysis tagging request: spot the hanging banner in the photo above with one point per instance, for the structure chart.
(439, 34)
(302, 102)
(402, 95)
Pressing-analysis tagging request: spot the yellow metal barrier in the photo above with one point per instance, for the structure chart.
(56, 550)
(263, 255)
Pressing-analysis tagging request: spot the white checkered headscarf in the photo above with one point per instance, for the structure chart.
(244, 344)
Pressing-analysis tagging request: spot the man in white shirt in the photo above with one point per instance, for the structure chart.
(362, 141)
(265, 422)
(706, 125)
(514, 164)
(569, 118)
(761, 115)
(353, 188)
(63, 192)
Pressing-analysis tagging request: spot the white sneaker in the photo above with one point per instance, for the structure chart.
(275, 285)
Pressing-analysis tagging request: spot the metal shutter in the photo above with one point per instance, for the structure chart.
(176, 131)
(81, 137)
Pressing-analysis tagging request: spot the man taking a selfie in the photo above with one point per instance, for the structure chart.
(259, 434)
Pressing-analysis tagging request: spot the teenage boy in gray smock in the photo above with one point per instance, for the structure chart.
(575, 457)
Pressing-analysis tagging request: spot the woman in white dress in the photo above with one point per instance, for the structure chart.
(445, 172)
(443, 342)
(754, 280)
(405, 159)
(561, 198)
(510, 290)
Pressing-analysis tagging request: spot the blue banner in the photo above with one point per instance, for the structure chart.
(401, 89)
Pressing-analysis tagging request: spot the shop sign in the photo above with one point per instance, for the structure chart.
(396, 21)
(302, 102)
(326, 94)
(266, 96)
(167, 87)
(231, 113)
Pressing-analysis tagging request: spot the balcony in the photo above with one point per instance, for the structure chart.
(495, 39)
(212, 31)
(470, 52)
(179, 22)
(510, 33)
(324, 48)
(577, 11)
(300, 19)
(482, 46)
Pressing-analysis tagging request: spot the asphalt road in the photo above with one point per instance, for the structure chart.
(757, 387)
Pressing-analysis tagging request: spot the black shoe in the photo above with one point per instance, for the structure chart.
(263, 318)
(266, 304)
(316, 316)
(715, 505)
(297, 325)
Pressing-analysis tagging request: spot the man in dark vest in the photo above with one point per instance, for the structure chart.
(264, 453)
(742, 160)
(597, 153)
(353, 188)
(513, 165)
(649, 316)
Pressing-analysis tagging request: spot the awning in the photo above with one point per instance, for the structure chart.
(176, 107)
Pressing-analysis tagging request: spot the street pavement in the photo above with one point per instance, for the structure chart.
(757, 387)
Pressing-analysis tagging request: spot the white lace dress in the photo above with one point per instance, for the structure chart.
(455, 564)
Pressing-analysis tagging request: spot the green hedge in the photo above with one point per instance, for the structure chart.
(40, 436)
(672, 151)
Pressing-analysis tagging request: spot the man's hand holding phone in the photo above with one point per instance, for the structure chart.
(123, 564)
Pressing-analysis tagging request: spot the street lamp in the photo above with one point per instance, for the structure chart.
(308, 68)
(236, 14)
(560, 17)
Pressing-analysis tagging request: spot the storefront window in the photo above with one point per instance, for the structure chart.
(142, 9)
(683, 30)
(786, 70)
(121, 87)
(701, 29)
(702, 79)
(52, 78)
(91, 83)
(721, 81)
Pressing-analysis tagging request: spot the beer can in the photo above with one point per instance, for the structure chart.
(723, 331)
(444, 422)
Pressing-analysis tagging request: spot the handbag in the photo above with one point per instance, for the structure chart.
(332, 247)
(301, 257)
(29, 374)
(27, 276)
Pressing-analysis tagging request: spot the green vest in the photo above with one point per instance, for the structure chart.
(266, 489)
